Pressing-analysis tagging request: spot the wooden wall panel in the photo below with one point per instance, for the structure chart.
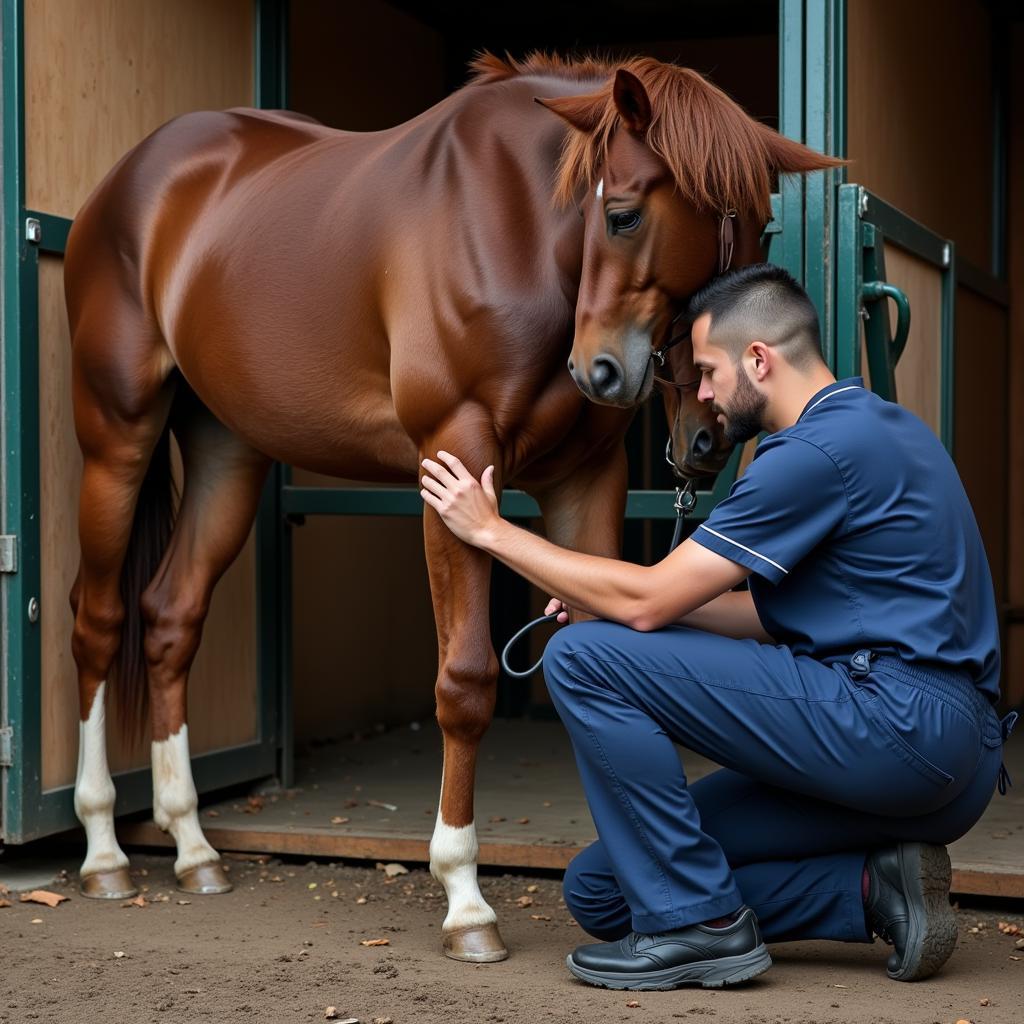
(980, 442)
(919, 113)
(102, 74)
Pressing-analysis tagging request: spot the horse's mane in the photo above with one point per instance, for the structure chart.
(719, 156)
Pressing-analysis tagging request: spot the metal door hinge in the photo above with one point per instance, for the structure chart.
(6, 737)
(8, 552)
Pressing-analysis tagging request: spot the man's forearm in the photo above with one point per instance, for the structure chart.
(731, 614)
(605, 587)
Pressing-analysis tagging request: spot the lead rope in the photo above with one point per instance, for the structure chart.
(685, 503)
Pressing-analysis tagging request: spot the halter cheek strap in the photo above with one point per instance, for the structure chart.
(726, 246)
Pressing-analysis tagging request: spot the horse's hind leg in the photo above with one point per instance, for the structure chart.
(121, 400)
(223, 478)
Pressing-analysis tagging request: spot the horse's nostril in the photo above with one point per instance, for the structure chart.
(703, 443)
(606, 376)
(571, 364)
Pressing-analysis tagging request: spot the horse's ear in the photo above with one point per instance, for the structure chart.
(789, 157)
(582, 112)
(632, 101)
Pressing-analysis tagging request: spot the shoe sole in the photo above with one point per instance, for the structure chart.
(931, 937)
(726, 970)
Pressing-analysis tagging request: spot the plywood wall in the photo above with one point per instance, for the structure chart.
(100, 75)
(919, 112)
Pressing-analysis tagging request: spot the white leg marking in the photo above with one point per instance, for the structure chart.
(175, 801)
(453, 853)
(94, 792)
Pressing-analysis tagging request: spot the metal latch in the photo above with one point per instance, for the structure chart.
(8, 552)
(6, 736)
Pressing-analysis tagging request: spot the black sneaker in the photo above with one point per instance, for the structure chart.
(908, 907)
(694, 955)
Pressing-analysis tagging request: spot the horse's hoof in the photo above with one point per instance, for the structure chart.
(108, 885)
(477, 944)
(205, 880)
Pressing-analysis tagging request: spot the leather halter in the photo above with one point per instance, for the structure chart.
(726, 244)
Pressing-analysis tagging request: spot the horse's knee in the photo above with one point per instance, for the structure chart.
(465, 695)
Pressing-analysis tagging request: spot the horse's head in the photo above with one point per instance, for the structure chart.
(662, 160)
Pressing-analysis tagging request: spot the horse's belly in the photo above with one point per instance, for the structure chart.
(301, 411)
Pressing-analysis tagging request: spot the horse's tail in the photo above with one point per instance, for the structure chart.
(151, 531)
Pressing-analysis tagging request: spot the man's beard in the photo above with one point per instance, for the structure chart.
(745, 419)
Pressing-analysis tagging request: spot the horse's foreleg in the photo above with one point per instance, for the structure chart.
(223, 479)
(467, 676)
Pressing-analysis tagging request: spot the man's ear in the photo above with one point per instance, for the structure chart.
(582, 112)
(762, 357)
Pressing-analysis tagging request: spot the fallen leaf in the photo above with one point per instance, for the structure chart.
(632, 1004)
(331, 1013)
(380, 803)
(312, 885)
(375, 942)
(393, 870)
(539, 917)
(522, 821)
(337, 820)
(50, 899)
(525, 901)
(532, 888)
(139, 901)
(362, 899)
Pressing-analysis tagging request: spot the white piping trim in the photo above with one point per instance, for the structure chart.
(756, 554)
(838, 391)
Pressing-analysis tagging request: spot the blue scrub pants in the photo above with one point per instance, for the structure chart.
(820, 767)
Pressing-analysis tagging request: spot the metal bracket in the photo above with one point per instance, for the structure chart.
(8, 552)
(6, 740)
(33, 230)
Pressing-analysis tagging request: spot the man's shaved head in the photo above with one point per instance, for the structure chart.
(761, 302)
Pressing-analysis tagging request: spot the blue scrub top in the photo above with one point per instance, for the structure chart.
(860, 535)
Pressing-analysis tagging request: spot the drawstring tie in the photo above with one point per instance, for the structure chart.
(1006, 727)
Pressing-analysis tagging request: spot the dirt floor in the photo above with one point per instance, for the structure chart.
(286, 945)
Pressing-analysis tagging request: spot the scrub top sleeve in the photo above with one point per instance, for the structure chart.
(790, 498)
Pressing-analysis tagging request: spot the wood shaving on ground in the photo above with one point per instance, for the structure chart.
(381, 804)
(44, 896)
(375, 942)
(393, 869)
(338, 820)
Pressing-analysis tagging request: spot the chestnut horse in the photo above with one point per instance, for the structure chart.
(269, 288)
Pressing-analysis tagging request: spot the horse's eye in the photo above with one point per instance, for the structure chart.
(624, 220)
